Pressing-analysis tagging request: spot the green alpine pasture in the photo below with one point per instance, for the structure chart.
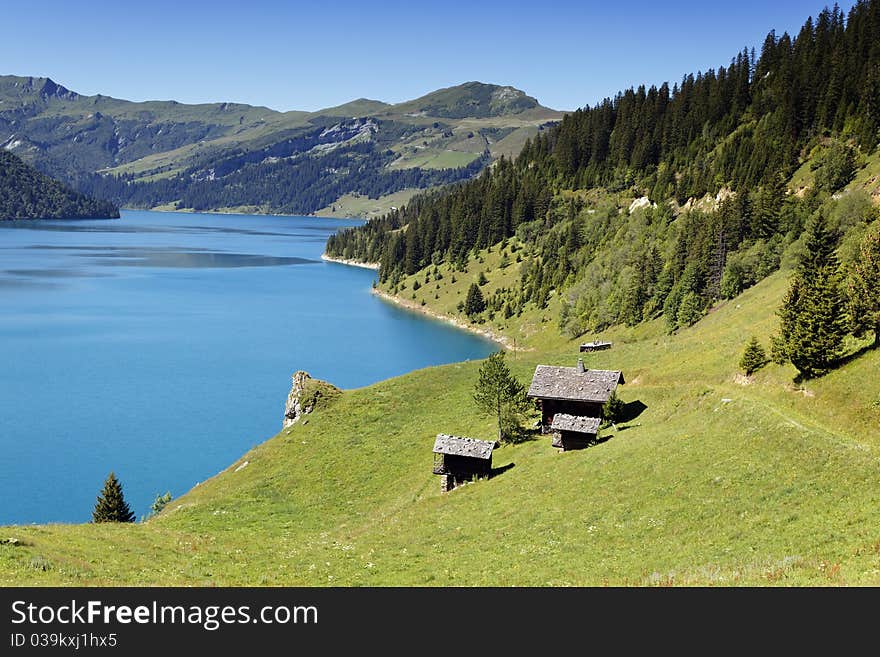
(719, 480)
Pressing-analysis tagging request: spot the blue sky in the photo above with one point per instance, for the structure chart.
(309, 55)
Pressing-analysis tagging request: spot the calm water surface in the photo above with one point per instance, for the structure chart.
(161, 346)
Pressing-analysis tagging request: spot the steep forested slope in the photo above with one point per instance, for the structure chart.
(665, 197)
(25, 193)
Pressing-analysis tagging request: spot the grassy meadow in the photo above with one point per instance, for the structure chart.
(718, 481)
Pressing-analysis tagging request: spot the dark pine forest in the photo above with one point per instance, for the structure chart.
(25, 193)
(738, 133)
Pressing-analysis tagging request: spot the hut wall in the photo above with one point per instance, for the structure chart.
(464, 467)
(569, 440)
(550, 407)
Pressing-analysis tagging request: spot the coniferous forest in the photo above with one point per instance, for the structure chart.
(25, 193)
(710, 159)
(297, 184)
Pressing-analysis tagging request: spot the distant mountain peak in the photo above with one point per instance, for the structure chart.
(52, 89)
(471, 100)
(358, 107)
(12, 86)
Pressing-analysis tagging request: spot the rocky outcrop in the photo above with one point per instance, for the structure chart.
(641, 202)
(306, 394)
(52, 89)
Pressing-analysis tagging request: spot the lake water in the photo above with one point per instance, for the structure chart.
(161, 346)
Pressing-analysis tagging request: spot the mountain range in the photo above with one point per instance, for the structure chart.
(355, 159)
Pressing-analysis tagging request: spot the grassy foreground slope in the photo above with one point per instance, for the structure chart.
(714, 483)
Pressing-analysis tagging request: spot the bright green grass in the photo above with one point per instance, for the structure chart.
(534, 328)
(513, 143)
(715, 483)
(361, 206)
(868, 177)
(436, 159)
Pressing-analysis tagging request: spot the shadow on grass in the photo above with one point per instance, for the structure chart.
(494, 472)
(524, 435)
(631, 410)
(858, 353)
(837, 364)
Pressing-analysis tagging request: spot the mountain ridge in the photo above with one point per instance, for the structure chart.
(164, 153)
(48, 87)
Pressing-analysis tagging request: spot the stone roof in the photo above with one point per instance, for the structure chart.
(458, 446)
(570, 383)
(575, 423)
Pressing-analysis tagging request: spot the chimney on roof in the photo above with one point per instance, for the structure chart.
(581, 368)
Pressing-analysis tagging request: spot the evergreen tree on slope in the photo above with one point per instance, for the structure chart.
(111, 505)
(813, 313)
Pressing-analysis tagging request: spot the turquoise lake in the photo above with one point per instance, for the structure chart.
(161, 345)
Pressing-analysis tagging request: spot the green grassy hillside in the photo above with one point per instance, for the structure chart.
(363, 207)
(715, 482)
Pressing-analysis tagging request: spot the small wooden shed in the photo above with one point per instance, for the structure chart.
(459, 459)
(574, 431)
(596, 345)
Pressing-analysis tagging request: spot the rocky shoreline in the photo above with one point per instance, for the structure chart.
(351, 263)
(488, 333)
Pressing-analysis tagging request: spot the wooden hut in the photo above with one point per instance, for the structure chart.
(595, 345)
(574, 431)
(572, 390)
(459, 459)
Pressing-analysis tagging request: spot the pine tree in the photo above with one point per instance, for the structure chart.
(838, 168)
(863, 287)
(754, 357)
(498, 393)
(413, 253)
(613, 410)
(111, 505)
(813, 312)
(768, 208)
(633, 301)
(690, 311)
(474, 303)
